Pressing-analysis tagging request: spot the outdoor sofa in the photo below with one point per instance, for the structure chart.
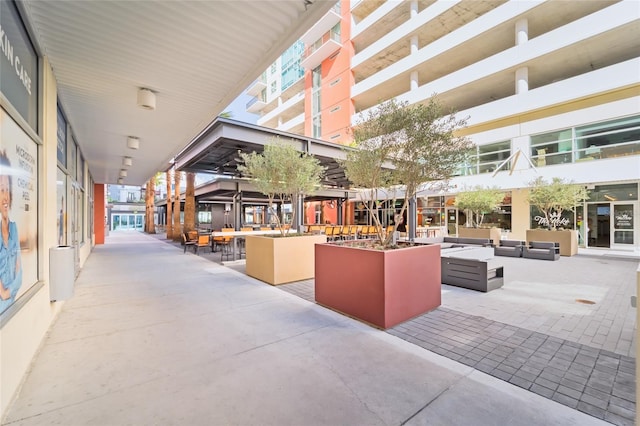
(509, 248)
(545, 250)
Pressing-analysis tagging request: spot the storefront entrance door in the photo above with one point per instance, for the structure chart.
(611, 225)
(599, 225)
(623, 219)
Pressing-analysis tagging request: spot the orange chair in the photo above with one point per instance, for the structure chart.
(204, 240)
(187, 241)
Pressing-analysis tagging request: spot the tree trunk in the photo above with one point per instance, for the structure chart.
(177, 231)
(190, 203)
(169, 208)
(150, 226)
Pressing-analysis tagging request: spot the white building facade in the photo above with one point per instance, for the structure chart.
(550, 89)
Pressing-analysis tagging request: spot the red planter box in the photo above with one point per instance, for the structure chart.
(383, 288)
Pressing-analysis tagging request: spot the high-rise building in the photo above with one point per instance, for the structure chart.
(551, 89)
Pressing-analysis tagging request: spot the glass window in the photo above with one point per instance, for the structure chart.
(609, 139)
(492, 155)
(486, 159)
(606, 193)
(274, 86)
(552, 148)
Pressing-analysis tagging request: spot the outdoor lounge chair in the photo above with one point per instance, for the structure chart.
(509, 248)
(544, 250)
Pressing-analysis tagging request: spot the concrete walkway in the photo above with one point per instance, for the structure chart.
(155, 336)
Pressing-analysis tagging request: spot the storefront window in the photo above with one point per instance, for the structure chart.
(565, 221)
(501, 217)
(606, 193)
(432, 211)
(18, 184)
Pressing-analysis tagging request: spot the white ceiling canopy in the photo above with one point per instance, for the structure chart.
(194, 56)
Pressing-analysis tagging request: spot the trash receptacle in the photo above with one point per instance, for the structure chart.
(61, 272)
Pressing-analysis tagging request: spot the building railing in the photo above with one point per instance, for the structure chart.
(329, 35)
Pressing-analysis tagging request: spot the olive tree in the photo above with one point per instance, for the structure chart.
(282, 173)
(399, 147)
(552, 198)
(479, 201)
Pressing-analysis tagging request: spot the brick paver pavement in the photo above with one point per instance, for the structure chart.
(535, 334)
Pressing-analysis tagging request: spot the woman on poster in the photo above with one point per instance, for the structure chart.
(10, 265)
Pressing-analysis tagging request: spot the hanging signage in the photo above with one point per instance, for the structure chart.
(62, 139)
(18, 64)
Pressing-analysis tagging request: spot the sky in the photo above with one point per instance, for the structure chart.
(238, 112)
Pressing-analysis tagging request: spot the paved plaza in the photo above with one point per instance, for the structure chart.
(155, 336)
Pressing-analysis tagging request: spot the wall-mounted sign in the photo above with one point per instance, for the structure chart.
(62, 139)
(18, 65)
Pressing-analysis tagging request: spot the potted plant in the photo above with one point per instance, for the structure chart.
(479, 201)
(399, 147)
(282, 173)
(551, 199)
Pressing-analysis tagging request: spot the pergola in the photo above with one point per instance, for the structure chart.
(216, 151)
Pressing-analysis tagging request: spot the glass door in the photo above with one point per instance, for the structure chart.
(599, 225)
(452, 221)
(622, 226)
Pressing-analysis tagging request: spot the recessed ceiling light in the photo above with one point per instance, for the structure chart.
(123, 173)
(127, 161)
(120, 181)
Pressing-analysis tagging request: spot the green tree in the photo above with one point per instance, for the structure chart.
(282, 172)
(479, 201)
(400, 147)
(552, 198)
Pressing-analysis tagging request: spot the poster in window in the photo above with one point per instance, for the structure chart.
(623, 217)
(18, 212)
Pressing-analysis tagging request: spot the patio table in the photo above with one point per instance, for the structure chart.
(237, 234)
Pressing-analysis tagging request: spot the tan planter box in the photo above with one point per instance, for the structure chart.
(280, 260)
(382, 288)
(568, 240)
(491, 233)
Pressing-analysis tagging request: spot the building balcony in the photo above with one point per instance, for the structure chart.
(255, 105)
(285, 111)
(295, 125)
(328, 21)
(257, 87)
(324, 47)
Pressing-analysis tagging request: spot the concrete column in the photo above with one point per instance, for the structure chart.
(414, 44)
(522, 31)
(521, 143)
(414, 80)
(522, 80)
(414, 8)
